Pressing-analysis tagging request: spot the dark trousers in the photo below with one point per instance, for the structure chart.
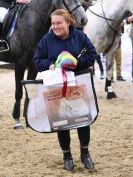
(1, 29)
(132, 56)
(98, 59)
(65, 139)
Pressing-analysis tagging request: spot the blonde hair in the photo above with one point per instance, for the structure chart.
(64, 13)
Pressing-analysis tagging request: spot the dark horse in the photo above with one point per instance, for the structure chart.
(32, 24)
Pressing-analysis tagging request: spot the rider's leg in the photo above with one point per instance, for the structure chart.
(3, 12)
(3, 43)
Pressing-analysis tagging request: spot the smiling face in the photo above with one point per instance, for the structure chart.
(60, 26)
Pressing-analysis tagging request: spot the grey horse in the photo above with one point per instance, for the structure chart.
(103, 28)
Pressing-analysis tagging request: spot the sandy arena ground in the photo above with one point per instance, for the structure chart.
(26, 153)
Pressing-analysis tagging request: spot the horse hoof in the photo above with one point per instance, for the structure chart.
(111, 95)
(16, 127)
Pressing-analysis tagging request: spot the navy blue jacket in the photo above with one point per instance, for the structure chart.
(50, 46)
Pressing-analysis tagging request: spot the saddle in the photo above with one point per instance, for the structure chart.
(9, 24)
(12, 15)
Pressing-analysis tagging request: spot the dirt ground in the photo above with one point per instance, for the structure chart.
(26, 153)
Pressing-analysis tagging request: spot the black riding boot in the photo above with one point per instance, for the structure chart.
(68, 160)
(86, 159)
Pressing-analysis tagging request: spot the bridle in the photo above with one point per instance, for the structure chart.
(71, 10)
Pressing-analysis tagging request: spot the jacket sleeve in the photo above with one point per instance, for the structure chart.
(88, 59)
(40, 59)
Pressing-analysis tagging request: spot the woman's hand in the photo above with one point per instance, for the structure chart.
(52, 67)
(22, 1)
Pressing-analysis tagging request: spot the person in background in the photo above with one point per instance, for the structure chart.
(100, 64)
(129, 20)
(64, 36)
(117, 59)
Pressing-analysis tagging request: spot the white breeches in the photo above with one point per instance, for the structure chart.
(3, 12)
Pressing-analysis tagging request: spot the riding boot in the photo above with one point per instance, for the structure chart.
(86, 159)
(68, 160)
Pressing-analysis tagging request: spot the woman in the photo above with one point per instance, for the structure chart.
(63, 36)
(3, 13)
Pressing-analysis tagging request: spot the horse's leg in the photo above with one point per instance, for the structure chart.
(32, 73)
(108, 87)
(19, 74)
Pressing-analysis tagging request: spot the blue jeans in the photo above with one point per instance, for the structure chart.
(132, 55)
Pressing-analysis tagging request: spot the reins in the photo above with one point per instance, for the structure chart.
(107, 19)
(102, 16)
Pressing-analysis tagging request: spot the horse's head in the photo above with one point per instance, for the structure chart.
(75, 8)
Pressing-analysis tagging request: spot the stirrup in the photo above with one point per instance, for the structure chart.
(4, 46)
